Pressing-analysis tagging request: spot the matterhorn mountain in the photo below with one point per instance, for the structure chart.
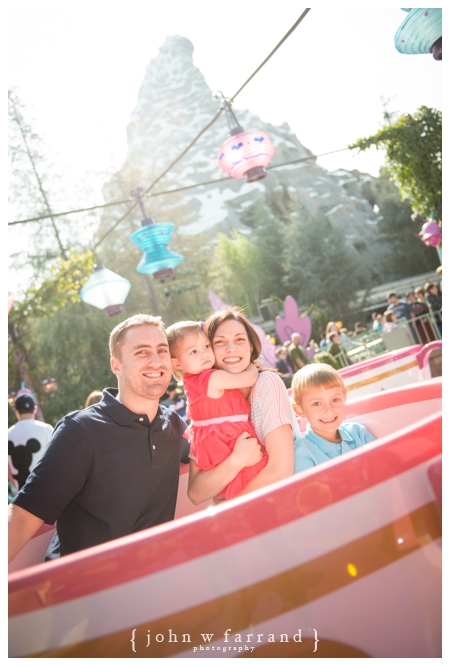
(174, 105)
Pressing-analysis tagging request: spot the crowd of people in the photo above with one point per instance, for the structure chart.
(194, 393)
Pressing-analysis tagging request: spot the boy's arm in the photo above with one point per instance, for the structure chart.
(221, 380)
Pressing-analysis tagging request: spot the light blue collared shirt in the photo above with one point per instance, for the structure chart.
(314, 449)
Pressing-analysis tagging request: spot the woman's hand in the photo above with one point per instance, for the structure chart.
(204, 485)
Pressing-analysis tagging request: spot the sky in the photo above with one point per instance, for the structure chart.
(78, 68)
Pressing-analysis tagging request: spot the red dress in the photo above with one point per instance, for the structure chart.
(216, 423)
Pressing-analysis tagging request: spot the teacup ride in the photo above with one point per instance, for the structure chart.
(392, 369)
(342, 560)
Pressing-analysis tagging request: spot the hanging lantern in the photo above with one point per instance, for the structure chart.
(420, 32)
(152, 239)
(105, 290)
(430, 234)
(50, 385)
(244, 153)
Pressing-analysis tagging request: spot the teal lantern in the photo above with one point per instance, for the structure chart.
(421, 32)
(152, 239)
(105, 290)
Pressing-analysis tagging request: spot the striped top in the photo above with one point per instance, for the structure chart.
(271, 407)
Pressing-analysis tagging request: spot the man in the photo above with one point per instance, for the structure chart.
(27, 439)
(402, 310)
(297, 353)
(111, 469)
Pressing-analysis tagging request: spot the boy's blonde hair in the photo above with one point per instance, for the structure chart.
(314, 375)
(177, 332)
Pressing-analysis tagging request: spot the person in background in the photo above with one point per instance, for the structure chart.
(344, 340)
(421, 323)
(286, 345)
(282, 366)
(297, 353)
(389, 321)
(360, 328)
(439, 272)
(420, 295)
(378, 322)
(27, 439)
(319, 395)
(337, 352)
(434, 301)
(175, 399)
(402, 310)
(93, 397)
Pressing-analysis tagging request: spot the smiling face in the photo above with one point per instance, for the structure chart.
(194, 354)
(324, 408)
(143, 368)
(231, 345)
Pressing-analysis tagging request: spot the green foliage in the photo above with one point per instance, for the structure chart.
(237, 270)
(401, 252)
(413, 145)
(67, 276)
(321, 267)
(268, 237)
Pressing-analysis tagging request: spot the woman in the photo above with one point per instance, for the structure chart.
(236, 344)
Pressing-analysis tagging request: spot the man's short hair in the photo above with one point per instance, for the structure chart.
(118, 333)
(315, 375)
(24, 404)
(390, 294)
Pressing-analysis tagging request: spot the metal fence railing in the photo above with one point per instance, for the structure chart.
(420, 330)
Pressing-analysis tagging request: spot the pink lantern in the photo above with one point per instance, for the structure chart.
(246, 154)
(431, 234)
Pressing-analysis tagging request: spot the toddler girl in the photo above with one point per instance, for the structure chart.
(218, 411)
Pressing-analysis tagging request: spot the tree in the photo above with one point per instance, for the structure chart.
(237, 270)
(268, 238)
(321, 268)
(413, 146)
(31, 331)
(401, 253)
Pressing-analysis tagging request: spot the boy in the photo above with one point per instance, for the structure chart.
(319, 395)
(336, 350)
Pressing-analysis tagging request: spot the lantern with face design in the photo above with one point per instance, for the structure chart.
(246, 154)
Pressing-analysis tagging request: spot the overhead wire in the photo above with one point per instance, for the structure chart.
(176, 189)
(181, 155)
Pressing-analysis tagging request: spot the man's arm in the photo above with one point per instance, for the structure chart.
(204, 485)
(279, 444)
(21, 527)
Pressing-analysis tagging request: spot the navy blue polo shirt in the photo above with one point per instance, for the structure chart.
(107, 472)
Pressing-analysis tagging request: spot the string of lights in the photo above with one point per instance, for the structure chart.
(179, 157)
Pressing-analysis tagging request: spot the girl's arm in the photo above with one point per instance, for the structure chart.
(221, 380)
(204, 485)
